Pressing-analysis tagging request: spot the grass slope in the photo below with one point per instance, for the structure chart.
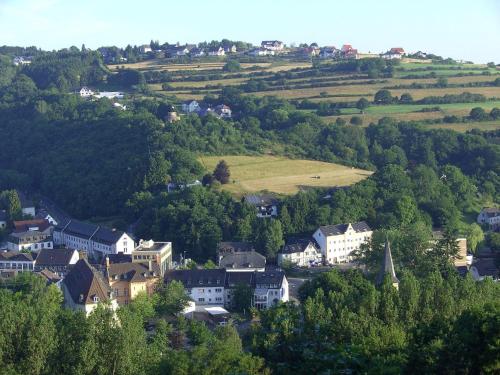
(282, 175)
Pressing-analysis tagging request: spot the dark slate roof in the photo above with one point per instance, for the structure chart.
(3, 215)
(54, 257)
(387, 266)
(15, 256)
(234, 247)
(135, 272)
(239, 277)
(297, 245)
(117, 258)
(269, 277)
(261, 200)
(198, 278)
(88, 230)
(84, 283)
(334, 230)
(247, 259)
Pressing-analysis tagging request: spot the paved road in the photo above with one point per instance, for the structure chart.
(294, 284)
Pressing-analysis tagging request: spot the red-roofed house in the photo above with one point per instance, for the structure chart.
(394, 53)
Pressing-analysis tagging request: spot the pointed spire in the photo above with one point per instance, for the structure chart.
(387, 266)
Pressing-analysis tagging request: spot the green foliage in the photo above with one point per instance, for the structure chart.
(171, 298)
(242, 298)
(221, 172)
(231, 66)
(383, 97)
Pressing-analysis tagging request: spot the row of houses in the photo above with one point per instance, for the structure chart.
(221, 110)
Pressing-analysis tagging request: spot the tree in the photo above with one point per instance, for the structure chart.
(171, 298)
(9, 199)
(242, 298)
(273, 238)
(362, 104)
(232, 66)
(221, 172)
(495, 113)
(475, 236)
(442, 82)
(383, 97)
(478, 114)
(406, 98)
(356, 120)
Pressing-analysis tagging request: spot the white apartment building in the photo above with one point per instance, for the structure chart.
(337, 242)
(97, 241)
(300, 252)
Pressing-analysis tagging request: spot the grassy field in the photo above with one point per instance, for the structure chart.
(282, 175)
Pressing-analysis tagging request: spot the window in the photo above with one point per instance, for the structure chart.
(219, 299)
(201, 299)
(218, 290)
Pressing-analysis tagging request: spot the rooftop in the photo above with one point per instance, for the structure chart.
(247, 259)
(54, 257)
(15, 256)
(297, 245)
(261, 199)
(133, 272)
(338, 229)
(85, 285)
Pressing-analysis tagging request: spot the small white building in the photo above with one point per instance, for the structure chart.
(273, 45)
(216, 52)
(265, 204)
(300, 252)
(337, 242)
(394, 53)
(17, 261)
(145, 48)
(21, 60)
(261, 52)
(489, 216)
(191, 107)
(85, 92)
(31, 240)
(223, 111)
(110, 95)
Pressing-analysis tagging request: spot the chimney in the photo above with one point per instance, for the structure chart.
(107, 269)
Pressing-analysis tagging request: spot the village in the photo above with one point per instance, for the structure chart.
(94, 265)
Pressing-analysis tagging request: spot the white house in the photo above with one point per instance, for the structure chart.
(31, 240)
(223, 111)
(110, 95)
(490, 216)
(216, 52)
(190, 107)
(328, 52)
(265, 204)
(21, 60)
(145, 48)
(84, 289)
(85, 92)
(300, 252)
(273, 45)
(270, 288)
(394, 53)
(337, 242)
(94, 239)
(261, 52)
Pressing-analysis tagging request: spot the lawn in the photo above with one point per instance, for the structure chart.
(282, 175)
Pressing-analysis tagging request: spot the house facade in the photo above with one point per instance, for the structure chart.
(337, 242)
(300, 252)
(223, 111)
(85, 92)
(489, 216)
(191, 107)
(97, 241)
(159, 253)
(127, 280)
(16, 261)
(216, 287)
(216, 52)
(394, 53)
(31, 240)
(84, 289)
(265, 204)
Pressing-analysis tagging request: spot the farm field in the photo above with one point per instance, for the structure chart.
(282, 175)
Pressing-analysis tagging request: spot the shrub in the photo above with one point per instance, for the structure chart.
(356, 120)
(478, 114)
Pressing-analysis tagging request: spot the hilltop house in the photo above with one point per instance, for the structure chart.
(197, 52)
(272, 45)
(261, 52)
(145, 48)
(300, 252)
(96, 240)
(394, 53)
(337, 242)
(223, 111)
(21, 60)
(216, 287)
(230, 49)
(84, 288)
(216, 52)
(328, 52)
(265, 204)
(489, 216)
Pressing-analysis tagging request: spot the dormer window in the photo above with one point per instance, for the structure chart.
(95, 299)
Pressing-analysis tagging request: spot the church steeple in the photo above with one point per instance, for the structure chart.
(388, 267)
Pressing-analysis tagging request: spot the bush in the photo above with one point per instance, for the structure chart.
(478, 114)
(406, 98)
(356, 120)
(495, 113)
(340, 121)
(383, 97)
(232, 66)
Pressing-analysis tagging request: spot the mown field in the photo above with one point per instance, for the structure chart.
(282, 175)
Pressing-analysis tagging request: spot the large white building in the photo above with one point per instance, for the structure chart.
(97, 241)
(337, 242)
(216, 286)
